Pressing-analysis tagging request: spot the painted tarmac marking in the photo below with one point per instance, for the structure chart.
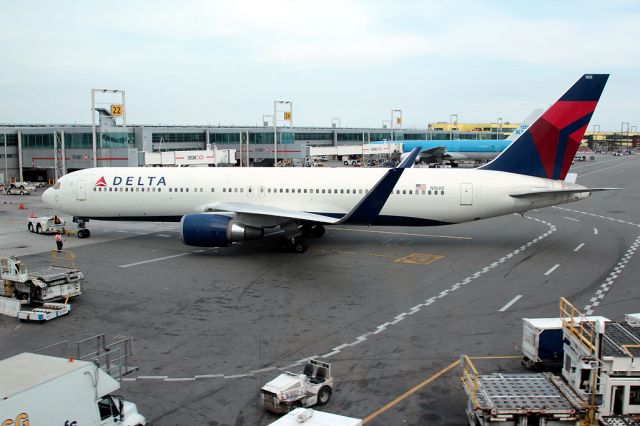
(164, 235)
(570, 218)
(153, 260)
(425, 383)
(579, 247)
(398, 318)
(595, 301)
(553, 268)
(408, 234)
(510, 303)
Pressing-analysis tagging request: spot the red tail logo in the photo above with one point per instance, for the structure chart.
(101, 182)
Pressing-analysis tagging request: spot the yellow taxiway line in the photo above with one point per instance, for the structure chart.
(425, 383)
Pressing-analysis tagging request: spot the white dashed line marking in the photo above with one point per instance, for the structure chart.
(595, 231)
(164, 235)
(570, 218)
(153, 260)
(398, 318)
(553, 268)
(510, 303)
(579, 247)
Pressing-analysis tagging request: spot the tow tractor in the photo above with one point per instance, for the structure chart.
(43, 287)
(46, 225)
(289, 390)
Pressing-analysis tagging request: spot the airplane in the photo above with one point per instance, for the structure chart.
(436, 151)
(217, 207)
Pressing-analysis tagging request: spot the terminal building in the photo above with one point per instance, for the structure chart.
(38, 152)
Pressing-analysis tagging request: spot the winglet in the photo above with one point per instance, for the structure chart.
(370, 206)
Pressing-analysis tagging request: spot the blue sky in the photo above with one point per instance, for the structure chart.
(223, 62)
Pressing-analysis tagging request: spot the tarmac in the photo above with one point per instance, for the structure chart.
(392, 309)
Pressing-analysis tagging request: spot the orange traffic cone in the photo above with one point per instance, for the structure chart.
(21, 206)
(32, 214)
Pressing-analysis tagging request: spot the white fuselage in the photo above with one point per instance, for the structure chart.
(421, 196)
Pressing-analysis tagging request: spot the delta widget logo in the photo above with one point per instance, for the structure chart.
(101, 182)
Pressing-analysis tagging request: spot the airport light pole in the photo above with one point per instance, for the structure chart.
(118, 111)
(622, 133)
(399, 122)
(452, 122)
(288, 116)
(6, 161)
(500, 125)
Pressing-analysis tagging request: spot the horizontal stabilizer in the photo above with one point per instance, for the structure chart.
(558, 192)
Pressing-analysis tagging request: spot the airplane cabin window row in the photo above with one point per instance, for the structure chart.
(272, 190)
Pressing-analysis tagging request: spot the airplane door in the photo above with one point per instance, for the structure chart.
(466, 194)
(81, 192)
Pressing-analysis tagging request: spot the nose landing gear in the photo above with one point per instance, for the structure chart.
(83, 232)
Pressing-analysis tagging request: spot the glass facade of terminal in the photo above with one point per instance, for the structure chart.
(180, 137)
(10, 139)
(79, 140)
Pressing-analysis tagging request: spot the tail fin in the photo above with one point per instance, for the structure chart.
(548, 146)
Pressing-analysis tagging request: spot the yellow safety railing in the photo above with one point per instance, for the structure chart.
(627, 347)
(469, 379)
(63, 258)
(583, 330)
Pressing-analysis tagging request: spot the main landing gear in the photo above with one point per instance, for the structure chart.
(83, 232)
(299, 244)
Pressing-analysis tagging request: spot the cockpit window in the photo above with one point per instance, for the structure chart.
(57, 185)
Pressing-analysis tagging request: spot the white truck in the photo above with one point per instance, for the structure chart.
(289, 391)
(39, 390)
(46, 225)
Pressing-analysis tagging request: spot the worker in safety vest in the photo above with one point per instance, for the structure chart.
(59, 240)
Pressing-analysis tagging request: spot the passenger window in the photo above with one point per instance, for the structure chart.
(242, 189)
(323, 191)
(181, 189)
(410, 192)
(305, 191)
(347, 191)
(299, 190)
(153, 190)
(287, 190)
(359, 191)
(318, 191)
(429, 192)
(213, 190)
(224, 189)
(159, 189)
(281, 190)
(342, 191)
(94, 189)
(397, 191)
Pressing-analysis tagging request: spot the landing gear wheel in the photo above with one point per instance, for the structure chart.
(84, 233)
(30, 227)
(324, 395)
(300, 245)
(317, 231)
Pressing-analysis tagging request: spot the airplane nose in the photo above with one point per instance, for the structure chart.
(47, 197)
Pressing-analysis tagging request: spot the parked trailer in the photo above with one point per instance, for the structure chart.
(48, 284)
(542, 342)
(41, 390)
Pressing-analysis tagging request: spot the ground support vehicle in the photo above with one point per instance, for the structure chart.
(46, 225)
(601, 363)
(43, 390)
(13, 189)
(542, 342)
(520, 399)
(289, 391)
(309, 417)
(49, 284)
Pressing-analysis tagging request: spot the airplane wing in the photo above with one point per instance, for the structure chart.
(543, 192)
(436, 151)
(365, 212)
(260, 210)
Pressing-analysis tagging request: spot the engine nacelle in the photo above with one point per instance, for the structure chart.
(215, 230)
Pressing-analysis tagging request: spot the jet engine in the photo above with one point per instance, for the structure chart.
(215, 230)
